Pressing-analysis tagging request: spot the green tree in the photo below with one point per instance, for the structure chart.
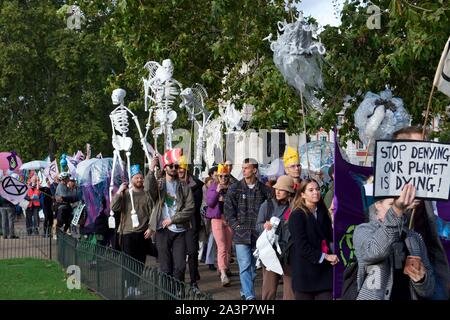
(53, 80)
(403, 54)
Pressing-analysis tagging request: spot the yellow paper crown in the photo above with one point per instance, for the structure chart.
(290, 157)
(183, 162)
(223, 169)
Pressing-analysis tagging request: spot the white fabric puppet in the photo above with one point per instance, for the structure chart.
(264, 248)
(379, 116)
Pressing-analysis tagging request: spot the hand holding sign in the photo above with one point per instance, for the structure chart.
(405, 200)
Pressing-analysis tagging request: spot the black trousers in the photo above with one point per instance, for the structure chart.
(64, 217)
(48, 220)
(133, 244)
(171, 252)
(32, 226)
(317, 295)
(192, 253)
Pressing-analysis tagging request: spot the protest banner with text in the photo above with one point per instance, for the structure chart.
(425, 164)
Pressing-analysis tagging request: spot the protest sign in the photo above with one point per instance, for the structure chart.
(425, 164)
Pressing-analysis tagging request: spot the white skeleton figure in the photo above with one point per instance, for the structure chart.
(214, 140)
(161, 89)
(193, 100)
(231, 117)
(264, 248)
(121, 142)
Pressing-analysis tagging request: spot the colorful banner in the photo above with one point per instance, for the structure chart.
(351, 208)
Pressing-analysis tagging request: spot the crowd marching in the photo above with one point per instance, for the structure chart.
(171, 214)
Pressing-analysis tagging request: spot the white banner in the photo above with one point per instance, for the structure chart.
(426, 165)
(12, 190)
(52, 171)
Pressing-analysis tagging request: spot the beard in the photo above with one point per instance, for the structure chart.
(138, 185)
(173, 174)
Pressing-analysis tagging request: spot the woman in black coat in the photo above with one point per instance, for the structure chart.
(311, 231)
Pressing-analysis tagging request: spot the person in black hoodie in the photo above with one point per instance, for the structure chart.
(311, 231)
(192, 235)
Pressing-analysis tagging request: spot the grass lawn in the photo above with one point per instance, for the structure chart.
(37, 279)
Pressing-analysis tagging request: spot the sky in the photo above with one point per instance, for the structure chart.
(321, 10)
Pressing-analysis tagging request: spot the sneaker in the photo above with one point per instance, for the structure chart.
(225, 281)
(54, 237)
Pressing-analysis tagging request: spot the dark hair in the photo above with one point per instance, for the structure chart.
(212, 170)
(410, 130)
(299, 202)
(251, 161)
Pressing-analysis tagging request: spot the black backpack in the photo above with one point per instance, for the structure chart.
(350, 283)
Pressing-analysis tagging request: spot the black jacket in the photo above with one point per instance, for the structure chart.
(307, 232)
(197, 191)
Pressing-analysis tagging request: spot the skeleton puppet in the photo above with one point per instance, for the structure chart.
(161, 89)
(121, 142)
(194, 102)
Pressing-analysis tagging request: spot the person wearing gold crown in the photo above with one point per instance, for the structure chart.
(292, 166)
(222, 233)
(173, 207)
(192, 235)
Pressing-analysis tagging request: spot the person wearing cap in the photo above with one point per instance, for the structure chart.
(221, 231)
(292, 166)
(277, 207)
(192, 234)
(241, 207)
(171, 214)
(133, 239)
(65, 195)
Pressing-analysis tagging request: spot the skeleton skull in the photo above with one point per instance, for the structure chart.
(118, 96)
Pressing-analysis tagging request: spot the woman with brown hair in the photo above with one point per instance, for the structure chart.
(311, 231)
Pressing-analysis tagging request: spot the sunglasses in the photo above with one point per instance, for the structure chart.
(224, 176)
(171, 166)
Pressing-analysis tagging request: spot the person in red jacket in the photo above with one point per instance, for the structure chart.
(34, 205)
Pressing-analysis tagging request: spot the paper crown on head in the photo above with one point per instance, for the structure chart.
(172, 156)
(135, 169)
(290, 157)
(183, 162)
(223, 169)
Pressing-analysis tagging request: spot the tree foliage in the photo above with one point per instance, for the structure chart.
(403, 55)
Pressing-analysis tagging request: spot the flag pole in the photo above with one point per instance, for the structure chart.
(367, 152)
(304, 130)
(428, 112)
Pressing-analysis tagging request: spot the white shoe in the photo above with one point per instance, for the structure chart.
(225, 281)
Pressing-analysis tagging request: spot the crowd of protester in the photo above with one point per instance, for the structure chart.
(185, 220)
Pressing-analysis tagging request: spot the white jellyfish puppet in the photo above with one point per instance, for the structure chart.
(298, 56)
(379, 116)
